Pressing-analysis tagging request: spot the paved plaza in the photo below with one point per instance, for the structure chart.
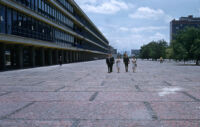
(85, 95)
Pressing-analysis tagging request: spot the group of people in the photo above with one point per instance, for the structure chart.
(110, 61)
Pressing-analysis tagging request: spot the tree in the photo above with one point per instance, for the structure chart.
(154, 50)
(186, 45)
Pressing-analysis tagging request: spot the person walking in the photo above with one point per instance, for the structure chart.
(110, 61)
(134, 63)
(126, 61)
(118, 61)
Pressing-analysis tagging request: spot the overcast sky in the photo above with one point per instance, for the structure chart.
(129, 24)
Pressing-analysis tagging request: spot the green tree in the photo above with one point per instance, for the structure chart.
(186, 45)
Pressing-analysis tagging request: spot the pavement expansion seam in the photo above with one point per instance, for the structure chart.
(189, 95)
(93, 96)
(150, 110)
(18, 110)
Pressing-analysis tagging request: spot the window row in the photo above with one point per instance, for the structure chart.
(48, 10)
(66, 5)
(16, 23)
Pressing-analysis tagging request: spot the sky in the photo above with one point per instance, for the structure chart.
(129, 24)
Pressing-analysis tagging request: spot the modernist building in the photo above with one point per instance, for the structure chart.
(183, 22)
(39, 32)
(135, 52)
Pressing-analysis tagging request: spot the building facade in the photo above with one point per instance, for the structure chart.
(183, 22)
(135, 52)
(40, 32)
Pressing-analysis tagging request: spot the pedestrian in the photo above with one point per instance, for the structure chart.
(161, 60)
(134, 63)
(110, 61)
(60, 60)
(118, 61)
(126, 61)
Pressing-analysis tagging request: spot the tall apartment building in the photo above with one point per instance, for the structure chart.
(183, 22)
(40, 32)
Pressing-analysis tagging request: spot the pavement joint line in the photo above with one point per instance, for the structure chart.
(76, 123)
(167, 83)
(16, 111)
(150, 110)
(57, 90)
(138, 88)
(5, 93)
(92, 98)
(192, 97)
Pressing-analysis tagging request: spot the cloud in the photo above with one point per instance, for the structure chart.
(149, 13)
(148, 29)
(142, 29)
(106, 7)
(125, 29)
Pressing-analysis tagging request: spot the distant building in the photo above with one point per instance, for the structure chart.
(183, 22)
(113, 51)
(135, 52)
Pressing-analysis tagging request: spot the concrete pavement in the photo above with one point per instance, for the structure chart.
(85, 95)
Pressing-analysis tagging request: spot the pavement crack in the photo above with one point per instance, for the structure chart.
(38, 83)
(152, 113)
(16, 111)
(93, 96)
(190, 96)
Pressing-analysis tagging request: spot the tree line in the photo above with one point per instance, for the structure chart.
(185, 46)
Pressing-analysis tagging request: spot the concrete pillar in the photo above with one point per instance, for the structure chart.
(42, 57)
(49, 56)
(56, 56)
(12, 56)
(2, 57)
(19, 54)
(32, 56)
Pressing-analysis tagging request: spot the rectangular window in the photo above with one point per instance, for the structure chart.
(2, 19)
(9, 21)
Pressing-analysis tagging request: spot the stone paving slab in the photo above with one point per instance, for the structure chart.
(84, 110)
(142, 96)
(85, 95)
(46, 96)
(177, 110)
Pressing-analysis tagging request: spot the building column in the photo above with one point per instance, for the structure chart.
(2, 57)
(56, 56)
(32, 56)
(42, 57)
(49, 56)
(19, 54)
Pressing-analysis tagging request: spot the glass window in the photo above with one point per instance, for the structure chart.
(9, 21)
(32, 4)
(2, 19)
